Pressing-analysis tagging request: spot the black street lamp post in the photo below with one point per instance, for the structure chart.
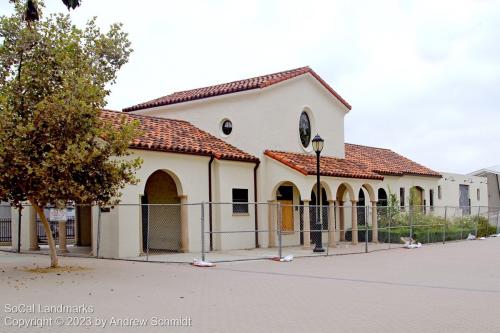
(317, 144)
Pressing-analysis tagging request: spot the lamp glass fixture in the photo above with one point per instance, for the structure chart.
(317, 143)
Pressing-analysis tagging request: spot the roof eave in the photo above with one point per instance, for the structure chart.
(301, 71)
(252, 159)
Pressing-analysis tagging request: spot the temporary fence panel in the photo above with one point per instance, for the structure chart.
(241, 231)
(218, 232)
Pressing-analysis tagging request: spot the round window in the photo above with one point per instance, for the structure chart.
(227, 127)
(305, 129)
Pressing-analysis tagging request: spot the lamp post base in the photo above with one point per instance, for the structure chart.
(318, 249)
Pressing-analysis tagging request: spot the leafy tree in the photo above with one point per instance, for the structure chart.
(54, 147)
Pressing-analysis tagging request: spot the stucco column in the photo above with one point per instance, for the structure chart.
(341, 220)
(354, 229)
(76, 226)
(62, 237)
(374, 222)
(184, 224)
(331, 223)
(306, 225)
(271, 226)
(29, 239)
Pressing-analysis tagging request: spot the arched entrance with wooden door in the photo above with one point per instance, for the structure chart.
(287, 194)
(346, 202)
(417, 196)
(417, 200)
(161, 213)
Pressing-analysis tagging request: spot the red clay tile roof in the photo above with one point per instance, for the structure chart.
(258, 82)
(177, 136)
(329, 166)
(360, 162)
(386, 162)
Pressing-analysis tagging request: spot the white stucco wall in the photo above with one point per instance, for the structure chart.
(121, 228)
(493, 190)
(191, 174)
(393, 184)
(262, 119)
(229, 175)
(450, 189)
(275, 174)
(267, 118)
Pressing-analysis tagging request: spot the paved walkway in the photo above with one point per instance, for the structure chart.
(450, 288)
(264, 253)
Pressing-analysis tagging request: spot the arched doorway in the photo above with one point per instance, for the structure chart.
(361, 208)
(345, 198)
(417, 196)
(161, 214)
(287, 194)
(382, 198)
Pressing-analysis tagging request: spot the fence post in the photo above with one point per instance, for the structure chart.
(390, 219)
(462, 224)
(478, 216)
(98, 231)
(203, 231)
(279, 231)
(411, 221)
(147, 242)
(328, 216)
(498, 219)
(366, 227)
(19, 229)
(445, 223)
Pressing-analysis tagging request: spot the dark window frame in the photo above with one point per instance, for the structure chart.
(305, 134)
(402, 197)
(240, 195)
(229, 128)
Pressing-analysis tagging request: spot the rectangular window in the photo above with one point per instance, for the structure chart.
(402, 196)
(439, 193)
(431, 198)
(240, 195)
(478, 194)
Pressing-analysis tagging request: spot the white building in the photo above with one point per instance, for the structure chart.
(492, 174)
(462, 190)
(250, 141)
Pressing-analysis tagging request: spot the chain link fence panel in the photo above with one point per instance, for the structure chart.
(232, 231)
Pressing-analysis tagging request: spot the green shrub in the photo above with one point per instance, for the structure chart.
(424, 228)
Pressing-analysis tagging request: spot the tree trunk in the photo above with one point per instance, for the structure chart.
(52, 245)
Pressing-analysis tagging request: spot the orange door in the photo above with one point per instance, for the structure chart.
(286, 215)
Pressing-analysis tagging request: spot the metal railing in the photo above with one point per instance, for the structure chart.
(219, 231)
(54, 227)
(5, 230)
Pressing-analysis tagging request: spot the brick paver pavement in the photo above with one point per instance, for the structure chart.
(439, 288)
